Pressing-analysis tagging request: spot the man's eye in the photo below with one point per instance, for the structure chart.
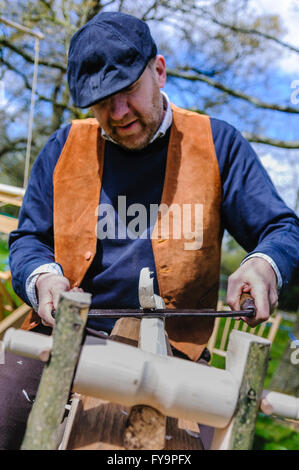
(101, 104)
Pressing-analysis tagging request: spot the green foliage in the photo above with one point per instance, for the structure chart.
(231, 256)
(3, 252)
(271, 435)
(3, 266)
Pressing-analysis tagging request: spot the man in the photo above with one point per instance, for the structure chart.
(139, 154)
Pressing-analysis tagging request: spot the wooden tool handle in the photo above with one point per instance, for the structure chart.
(246, 301)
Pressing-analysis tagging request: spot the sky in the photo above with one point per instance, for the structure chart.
(283, 166)
(288, 11)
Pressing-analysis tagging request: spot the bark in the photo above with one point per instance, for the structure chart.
(249, 398)
(55, 385)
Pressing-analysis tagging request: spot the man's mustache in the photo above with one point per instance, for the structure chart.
(124, 123)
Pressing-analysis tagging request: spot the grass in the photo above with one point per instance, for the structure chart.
(271, 435)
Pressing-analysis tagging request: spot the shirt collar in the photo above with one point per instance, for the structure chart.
(165, 124)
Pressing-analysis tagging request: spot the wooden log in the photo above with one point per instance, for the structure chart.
(54, 388)
(145, 429)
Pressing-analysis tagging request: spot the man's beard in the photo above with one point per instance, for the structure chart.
(149, 123)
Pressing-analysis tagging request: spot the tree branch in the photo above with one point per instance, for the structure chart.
(251, 31)
(52, 100)
(237, 94)
(149, 9)
(29, 58)
(12, 146)
(259, 139)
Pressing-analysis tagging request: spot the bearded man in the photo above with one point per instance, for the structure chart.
(140, 152)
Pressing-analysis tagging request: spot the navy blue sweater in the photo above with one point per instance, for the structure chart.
(252, 211)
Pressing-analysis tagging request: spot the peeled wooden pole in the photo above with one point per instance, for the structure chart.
(280, 404)
(33, 345)
(175, 387)
(226, 399)
(38, 346)
(178, 388)
(54, 388)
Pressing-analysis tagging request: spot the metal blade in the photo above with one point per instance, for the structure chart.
(168, 313)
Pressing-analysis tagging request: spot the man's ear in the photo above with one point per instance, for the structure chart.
(160, 70)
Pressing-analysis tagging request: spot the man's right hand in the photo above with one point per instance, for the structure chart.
(49, 286)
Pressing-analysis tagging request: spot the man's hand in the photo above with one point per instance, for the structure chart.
(257, 277)
(49, 286)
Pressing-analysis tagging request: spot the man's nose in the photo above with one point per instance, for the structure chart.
(119, 106)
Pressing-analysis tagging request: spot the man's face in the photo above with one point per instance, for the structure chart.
(132, 116)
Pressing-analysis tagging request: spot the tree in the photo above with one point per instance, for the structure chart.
(214, 50)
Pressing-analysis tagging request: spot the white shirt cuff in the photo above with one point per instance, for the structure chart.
(31, 281)
(270, 261)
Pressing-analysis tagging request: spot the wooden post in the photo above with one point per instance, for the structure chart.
(54, 388)
(247, 361)
(250, 395)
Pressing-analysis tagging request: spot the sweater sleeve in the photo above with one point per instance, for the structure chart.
(252, 211)
(32, 244)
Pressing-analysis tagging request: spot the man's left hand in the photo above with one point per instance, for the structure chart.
(257, 277)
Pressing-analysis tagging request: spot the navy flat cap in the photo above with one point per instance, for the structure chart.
(106, 55)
